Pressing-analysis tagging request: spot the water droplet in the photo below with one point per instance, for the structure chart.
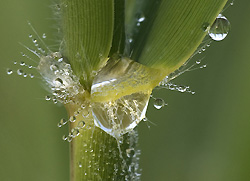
(31, 76)
(30, 35)
(69, 138)
(72, 119)
(81, 124)
(20, 72)
(47, 98)
(220, 28)
(34, 40)
(22, 63)
(159, 103)
(60, 59)
(63, 121)
(9, 71)
(64, 137)
(119, 116)
(59, 125)
(80, 164)
(182, 88)
(25, 75)
(141, 19)
(75, 132)
(205, 27)
(198, 62)
(58, 81)
(44, 35)
(15, 62)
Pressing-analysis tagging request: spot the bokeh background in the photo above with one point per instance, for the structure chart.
(201, 137)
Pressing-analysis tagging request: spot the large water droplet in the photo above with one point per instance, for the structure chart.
(159, 103)
(117, 111)
(220, 28)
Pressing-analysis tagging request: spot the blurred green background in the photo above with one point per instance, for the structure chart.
(201, 137)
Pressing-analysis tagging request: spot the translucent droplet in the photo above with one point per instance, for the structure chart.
(58, 82)
(72, 119)
(63, 121)
(47, 98)
(20, 72)
(25, 75)
(220, 28)
(69, 138)
(81, 124)
(64, 137)
(129, 152)
(9, 71)
(31, 76)
(182, 88)
(198, 62)
(75, 132)
(34, 40)
(59, 125)
(30, 36)
(141, 19)
(60, 59)
(118, 111)
(22, 63)
(159, 103)
(44, 35)
(80, 164)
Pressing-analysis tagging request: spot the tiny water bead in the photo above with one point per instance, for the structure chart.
(9, 71)
(220, 28)
(20, 72)
(44, 36)
(205, 27)
(81, 124)
(140, 18)
(159, 103)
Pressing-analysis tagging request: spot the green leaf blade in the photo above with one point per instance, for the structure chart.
(88, 31)
(174, 32)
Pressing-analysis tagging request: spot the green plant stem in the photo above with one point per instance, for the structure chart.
(95, 154)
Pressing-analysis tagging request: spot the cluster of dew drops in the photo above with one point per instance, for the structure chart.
(217, 32)
(58, 77)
